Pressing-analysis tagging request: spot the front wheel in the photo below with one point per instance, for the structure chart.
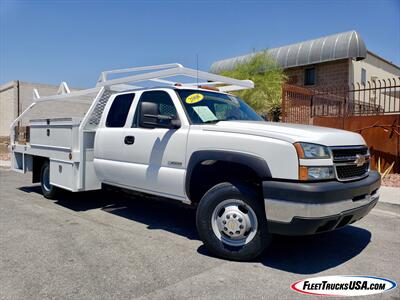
(48, 190)
(231, 222)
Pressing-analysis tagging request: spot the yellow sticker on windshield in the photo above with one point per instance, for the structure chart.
(194, 98)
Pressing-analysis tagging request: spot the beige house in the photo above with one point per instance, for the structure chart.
(372, 68)
(334, 60)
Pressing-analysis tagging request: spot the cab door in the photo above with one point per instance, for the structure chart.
(156, 158)
(109, 140)
(147, 158)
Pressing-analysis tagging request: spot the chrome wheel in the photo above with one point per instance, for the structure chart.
(234, 222)
(46, 179)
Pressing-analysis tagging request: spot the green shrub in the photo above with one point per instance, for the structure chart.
(266, 97)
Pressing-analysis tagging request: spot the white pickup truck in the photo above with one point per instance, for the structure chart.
(198, 144)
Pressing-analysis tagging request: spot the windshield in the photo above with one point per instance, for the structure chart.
(210, 107)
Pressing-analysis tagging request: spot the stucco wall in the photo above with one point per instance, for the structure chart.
(7, 106)
(374, 66)
(377, 69)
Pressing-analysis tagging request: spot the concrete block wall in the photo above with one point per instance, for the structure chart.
(335, 73)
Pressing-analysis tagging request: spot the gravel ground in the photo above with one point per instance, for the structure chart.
(392, 180)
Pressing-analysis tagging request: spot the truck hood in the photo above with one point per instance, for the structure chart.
(291, 133)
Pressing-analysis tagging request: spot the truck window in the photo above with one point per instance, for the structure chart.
(210, 107)
(119, 110)
(162, 99)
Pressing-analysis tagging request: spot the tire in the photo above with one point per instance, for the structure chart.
(241, 208)
(49, 191)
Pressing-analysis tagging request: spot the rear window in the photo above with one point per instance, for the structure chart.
(119, 110)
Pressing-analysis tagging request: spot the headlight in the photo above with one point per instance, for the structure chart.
(316, 173)
(307, 151)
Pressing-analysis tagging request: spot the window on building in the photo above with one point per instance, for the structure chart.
(309, 76)
(363, 76)
(119, 110)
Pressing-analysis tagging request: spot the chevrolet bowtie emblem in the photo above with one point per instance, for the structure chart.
(360, 160)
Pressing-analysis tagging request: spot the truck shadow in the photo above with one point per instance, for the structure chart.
(312, 254)
(156, 214)
(300, 255)
(317, 253)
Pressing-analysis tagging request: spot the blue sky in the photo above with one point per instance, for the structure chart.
(50, 41)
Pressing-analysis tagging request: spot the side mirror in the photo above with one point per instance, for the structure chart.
(150, 118)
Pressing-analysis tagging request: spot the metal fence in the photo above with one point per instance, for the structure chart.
(371, 109)
(378, 97)
(370, 98)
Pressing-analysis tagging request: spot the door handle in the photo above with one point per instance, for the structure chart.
(129, 140)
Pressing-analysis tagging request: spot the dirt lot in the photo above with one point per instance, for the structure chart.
(391, 180)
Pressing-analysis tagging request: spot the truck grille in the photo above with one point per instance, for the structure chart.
(350, 163)
(351, 171)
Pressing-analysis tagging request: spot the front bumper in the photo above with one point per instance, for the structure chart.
(297, 208)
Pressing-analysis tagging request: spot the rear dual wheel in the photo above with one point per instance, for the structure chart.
(48, 190)
(231, 222)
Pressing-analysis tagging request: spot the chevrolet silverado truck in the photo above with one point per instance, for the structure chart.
(198, 144)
